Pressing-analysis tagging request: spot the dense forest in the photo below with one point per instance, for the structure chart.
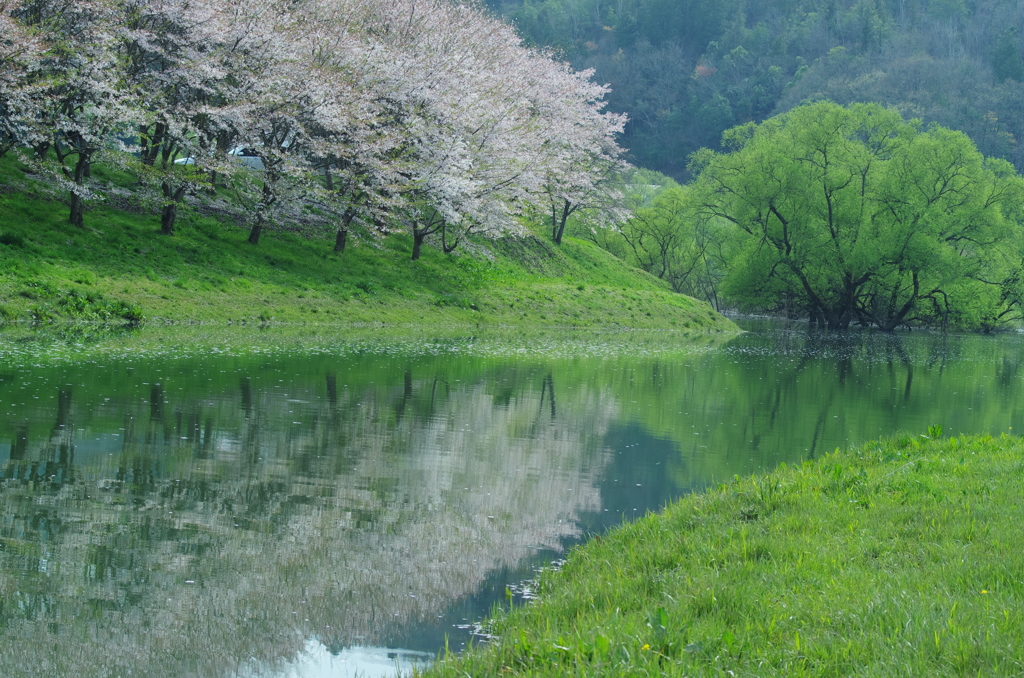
(686, 70)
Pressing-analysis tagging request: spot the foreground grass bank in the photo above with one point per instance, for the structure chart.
(902, 558)
(120, 267)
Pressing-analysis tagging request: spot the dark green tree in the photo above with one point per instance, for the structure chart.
(1006, 60)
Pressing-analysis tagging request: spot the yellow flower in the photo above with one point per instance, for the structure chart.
(646, 647)
(984, 591)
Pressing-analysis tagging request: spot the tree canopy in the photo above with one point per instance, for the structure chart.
(686, 70)
(852, 213)
(427, 115)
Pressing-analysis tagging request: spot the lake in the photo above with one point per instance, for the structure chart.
(306, 502)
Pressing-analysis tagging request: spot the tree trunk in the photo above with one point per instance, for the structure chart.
(341, 237)
(41, 150)
(170, 211)
(421, 230)
(267, 200)
(558, 221)
(417, 243)
(445, 245)
(167, 218)
(77, 216)
(838, 319)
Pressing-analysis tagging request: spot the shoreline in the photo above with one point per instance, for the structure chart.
(896, 557)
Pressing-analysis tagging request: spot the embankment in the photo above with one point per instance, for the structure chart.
(120, 268)
(899, 558)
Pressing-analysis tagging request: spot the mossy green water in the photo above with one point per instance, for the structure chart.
(119, 267)
(899, 558)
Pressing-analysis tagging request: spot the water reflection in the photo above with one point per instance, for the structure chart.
(194, 525)
(318, 661)
(263, 513)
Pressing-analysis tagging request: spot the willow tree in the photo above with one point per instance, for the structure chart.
(667, 237)
(848, 213)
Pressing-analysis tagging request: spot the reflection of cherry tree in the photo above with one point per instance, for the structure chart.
(199, 557)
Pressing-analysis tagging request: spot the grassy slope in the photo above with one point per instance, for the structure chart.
(901, 558)
(207, 272)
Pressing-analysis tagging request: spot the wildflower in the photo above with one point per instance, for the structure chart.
(646, 647)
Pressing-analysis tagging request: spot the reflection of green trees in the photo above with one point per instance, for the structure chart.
(337, 496)
(794, 395)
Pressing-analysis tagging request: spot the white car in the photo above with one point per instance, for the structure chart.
(239, 153)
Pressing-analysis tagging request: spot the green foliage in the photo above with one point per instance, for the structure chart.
(75, 305)
(667, 236)
(851, 214)
(1006, 60)
(890, 559)
(12, 240)
(685, 71)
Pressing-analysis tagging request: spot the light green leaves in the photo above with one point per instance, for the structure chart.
(853, 214)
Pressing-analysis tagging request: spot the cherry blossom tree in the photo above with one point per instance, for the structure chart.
(427, 113)
(178, 68)
(76, 103)
(491, 121)
(351, 125)
(20, 54)
(589, 160)
(302, 108)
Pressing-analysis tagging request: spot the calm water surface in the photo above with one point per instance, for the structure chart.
(246, 504)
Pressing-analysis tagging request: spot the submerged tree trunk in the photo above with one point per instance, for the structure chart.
(839, 321)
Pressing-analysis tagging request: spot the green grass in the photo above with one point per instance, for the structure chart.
(903, 557)
(120, 266)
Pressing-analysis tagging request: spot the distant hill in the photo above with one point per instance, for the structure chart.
(685, 70)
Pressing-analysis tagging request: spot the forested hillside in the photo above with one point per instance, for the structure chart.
(686, 70)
